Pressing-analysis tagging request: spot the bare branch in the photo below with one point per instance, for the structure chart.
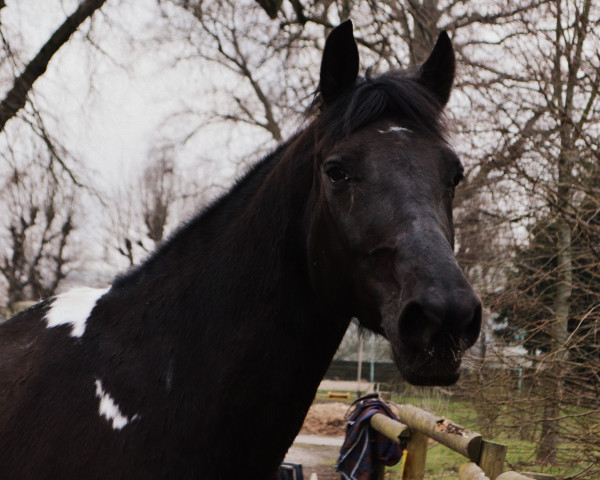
(16, 98)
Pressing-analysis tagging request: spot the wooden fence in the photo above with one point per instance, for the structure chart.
(485, 459)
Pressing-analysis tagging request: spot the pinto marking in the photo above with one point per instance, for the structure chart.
(110, 410)
(73, 307)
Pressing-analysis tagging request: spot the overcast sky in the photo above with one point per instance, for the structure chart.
(108, 105)
(111, 103)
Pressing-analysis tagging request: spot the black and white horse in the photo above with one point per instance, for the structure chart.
(203, 361)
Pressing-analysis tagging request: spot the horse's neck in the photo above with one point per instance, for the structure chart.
(229, 303)
(240, 270)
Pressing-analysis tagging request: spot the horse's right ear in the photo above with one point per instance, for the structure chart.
(339, 66)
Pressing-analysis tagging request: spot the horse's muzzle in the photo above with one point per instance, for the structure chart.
(432, 334)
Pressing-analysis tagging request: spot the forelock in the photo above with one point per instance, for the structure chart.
(393, 94)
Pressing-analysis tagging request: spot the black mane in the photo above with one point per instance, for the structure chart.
(396, 94)
(211, 218)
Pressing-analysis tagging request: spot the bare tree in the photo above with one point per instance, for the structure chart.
(159, 189)
(147, 208)
(37, 224)
(543, 167)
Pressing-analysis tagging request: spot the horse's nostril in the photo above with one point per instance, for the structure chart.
(418, 325)
(464, 318)
(421, 320)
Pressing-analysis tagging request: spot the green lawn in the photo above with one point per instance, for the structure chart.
(443, 463)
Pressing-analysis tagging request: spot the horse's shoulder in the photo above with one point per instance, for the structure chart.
(21, 336)
(24, 352)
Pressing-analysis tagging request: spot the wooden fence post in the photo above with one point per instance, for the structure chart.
(416, 454)
(491, 458)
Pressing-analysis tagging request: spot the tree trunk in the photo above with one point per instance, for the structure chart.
(426, 15)
(553, 373)
(563, 95)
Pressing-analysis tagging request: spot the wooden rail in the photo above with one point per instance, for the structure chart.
(416, 427)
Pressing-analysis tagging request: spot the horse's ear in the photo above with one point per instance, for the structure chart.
(437, 73)
(339, 66)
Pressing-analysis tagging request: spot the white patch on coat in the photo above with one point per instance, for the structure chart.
(110, 410)
(394, 129)
(74, 308)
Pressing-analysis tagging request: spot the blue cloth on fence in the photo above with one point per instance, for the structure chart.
(363, 446)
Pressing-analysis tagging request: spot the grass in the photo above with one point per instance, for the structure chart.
(443, 463)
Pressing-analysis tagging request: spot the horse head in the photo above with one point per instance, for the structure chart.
(381, 234)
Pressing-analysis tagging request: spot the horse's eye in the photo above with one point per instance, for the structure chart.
(336, 173)
(457, 179)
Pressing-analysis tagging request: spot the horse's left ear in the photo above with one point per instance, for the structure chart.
(339, 66)
(437, 73)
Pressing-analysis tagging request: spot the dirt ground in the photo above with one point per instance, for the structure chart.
(325, 420)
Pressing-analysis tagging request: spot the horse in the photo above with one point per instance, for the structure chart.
(202, 361)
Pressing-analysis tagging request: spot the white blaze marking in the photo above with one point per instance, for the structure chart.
(110, 410)
(73, 307)
(394, 129)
